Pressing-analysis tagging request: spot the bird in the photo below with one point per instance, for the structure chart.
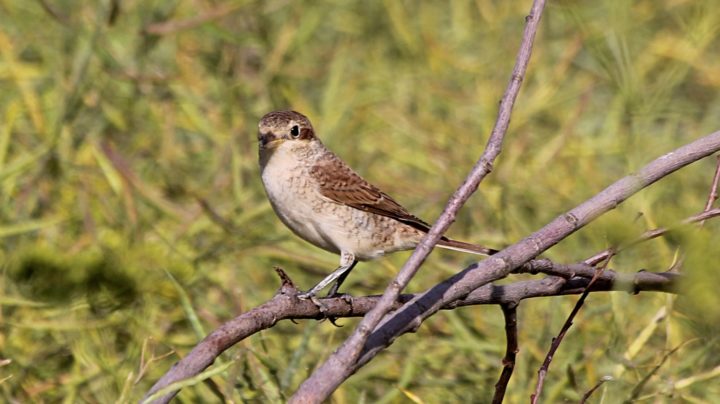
(326, 203)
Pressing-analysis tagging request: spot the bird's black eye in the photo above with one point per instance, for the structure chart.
(295, 131)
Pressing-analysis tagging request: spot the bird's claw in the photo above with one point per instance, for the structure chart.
(322, 307)
(347, 298)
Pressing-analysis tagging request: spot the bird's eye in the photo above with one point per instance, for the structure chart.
(295, 131)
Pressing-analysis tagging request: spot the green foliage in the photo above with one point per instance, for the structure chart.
(132, 219)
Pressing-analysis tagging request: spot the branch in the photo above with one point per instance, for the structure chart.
(635, 393)
(325, 379)
(413, 313)
(511, 337)
(564, 280)
(713, 195)
(590, 392)
(654, 233)
(286, 306)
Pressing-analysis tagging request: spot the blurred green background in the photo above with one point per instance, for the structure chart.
(133, 222)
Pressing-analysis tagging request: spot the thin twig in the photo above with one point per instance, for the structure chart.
(597, 385)
(638, 387)
(511, 337)
(542, 372)
(707, 213)
(654, 233)
(326, 378)
(713, 194)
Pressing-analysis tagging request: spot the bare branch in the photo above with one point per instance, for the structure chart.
(499, 265)
(597, 385)
(654, 233)
(337, 367)
(511, 337)
(285, 306)
(564, 279)
(638, 387)
(713, 194)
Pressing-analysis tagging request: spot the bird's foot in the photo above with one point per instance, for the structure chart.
(347, 298)
(306, 295)
(321, 307)
(310, 295)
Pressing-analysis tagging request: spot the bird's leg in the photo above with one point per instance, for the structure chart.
(334, 288)
(347, 262)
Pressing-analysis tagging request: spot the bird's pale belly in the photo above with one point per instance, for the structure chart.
(331, 226)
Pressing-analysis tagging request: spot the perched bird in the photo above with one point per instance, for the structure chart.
(325, 202)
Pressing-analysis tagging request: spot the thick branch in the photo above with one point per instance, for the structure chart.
(565, 279)
(337, 368)
(413, 313)
(285, 306)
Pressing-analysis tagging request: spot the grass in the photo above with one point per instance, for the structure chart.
(132, 219)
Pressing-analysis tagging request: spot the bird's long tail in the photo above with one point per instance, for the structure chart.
(456, 245)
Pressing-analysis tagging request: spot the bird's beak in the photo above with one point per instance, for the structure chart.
(268, 140)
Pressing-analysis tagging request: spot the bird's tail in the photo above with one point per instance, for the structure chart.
(451, 244)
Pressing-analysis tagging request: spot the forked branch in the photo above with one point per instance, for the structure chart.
(566, 279)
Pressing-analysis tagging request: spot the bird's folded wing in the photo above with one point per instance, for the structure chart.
(340, 184)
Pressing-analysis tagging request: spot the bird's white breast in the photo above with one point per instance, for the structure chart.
(294, 195)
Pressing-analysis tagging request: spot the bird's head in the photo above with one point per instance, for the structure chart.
(282, 127)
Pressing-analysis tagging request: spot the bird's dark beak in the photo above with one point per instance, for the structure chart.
(267, 139)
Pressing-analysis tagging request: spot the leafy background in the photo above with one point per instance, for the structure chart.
(133, 222)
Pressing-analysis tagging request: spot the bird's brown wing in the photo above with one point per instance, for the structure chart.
(342, 185)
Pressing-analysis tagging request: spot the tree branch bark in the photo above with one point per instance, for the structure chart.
(413, 313)
(565, 280)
